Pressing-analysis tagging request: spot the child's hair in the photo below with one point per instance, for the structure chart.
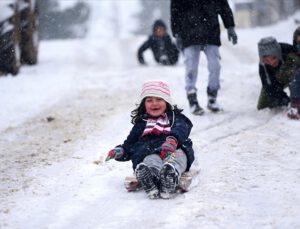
(140, 111)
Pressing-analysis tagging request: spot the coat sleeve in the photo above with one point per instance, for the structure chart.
(226, 14)
(142, 49)
(176, 17)
(181, 128)
(169, 43)
(272, 87)
(288, 69)
(131, 139)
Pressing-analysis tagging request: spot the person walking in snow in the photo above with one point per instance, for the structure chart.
(164, 50)
(158, 145)
(195, 26)
(272, 55)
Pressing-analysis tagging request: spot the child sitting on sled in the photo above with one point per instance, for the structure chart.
(158, 144)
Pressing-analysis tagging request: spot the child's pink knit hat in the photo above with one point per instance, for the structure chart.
(156, 89)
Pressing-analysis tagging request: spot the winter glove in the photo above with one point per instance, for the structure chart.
(115, 153)
(168, 147)
(294, 110)
(293, 113)
(142, 61)
(232, 35)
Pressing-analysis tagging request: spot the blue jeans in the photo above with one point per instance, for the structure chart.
(192, 58)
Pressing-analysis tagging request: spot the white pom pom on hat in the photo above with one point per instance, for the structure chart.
(269, 46)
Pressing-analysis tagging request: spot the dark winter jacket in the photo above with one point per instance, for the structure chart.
(136, 147)
(288, 69)
(159, 47)
(291, 64)
(196, 21)
(272, 93)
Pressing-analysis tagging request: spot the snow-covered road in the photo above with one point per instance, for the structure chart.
(249, 159)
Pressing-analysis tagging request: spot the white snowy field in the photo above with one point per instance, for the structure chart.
(249, 159)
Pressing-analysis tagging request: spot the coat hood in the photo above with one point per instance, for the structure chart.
(159, 23)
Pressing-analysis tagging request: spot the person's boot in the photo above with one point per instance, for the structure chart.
(147, 180)
(193, 102)
(168, 181)
(212, 104)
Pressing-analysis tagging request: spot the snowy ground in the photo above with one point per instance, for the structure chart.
(249, 159)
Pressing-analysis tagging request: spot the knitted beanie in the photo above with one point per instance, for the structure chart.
(269, 46)
(156, 89)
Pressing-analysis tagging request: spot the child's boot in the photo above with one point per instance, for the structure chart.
(147, 180)
(212, 101)
(168, 181)
(194, 105)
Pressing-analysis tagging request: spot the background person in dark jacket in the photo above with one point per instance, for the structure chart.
(196, 26)
(272, 54)
(164, 51)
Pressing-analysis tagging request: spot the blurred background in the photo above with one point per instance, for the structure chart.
(69, 18)
(23, 23)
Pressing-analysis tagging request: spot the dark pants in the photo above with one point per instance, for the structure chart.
(295, 87)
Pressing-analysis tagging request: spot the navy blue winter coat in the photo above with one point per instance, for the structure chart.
(137, 147)
(159, 47)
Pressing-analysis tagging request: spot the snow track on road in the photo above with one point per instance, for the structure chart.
(249, 159)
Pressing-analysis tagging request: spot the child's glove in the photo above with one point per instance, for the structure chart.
(115, 153)
(168, 147)
(293, 113)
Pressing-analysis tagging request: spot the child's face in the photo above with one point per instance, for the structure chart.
(271, 60)
(155, 106)
(160, 31)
